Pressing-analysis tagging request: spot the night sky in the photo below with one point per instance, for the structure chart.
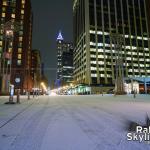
(50, 16)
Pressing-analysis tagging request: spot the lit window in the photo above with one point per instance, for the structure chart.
(18, 62)
(93, 50)
(19, 50)
(22, 11)
(5, 3)
(93, 56)
(93, 75)
(93, 62)
(100, 56)
(141, 65)
(23, 1)
(93, 68)
(101, 62)
(11, 44)
(8, 62)
(100, 50)
(148, 60)
(102, 75)
(20, 39)
(10, 50)
(101, 69)
(3, 15)
(19, 56)
(141, 54)
(13, 15)
(1, 43)
(21, 22)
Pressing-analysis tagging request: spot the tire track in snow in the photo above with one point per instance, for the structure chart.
(15, 116)
(32, 134)
(98, 131)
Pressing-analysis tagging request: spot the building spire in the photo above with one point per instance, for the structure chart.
(60, 37)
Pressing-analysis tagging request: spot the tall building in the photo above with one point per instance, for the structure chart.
(95, 21)
(64, 61)
(18, 46)
(36, 68)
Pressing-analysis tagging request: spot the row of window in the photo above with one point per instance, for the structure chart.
(11, 2)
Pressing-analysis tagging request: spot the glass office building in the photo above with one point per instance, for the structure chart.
(95, 21)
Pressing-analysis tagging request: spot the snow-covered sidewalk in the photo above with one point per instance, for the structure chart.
(92, 122)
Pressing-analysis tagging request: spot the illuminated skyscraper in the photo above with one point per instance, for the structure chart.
(94, 52)
(64, 61)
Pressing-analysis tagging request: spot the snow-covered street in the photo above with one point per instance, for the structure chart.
(93, 122)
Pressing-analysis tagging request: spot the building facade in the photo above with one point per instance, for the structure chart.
(64, 61)
(36, 68)
(95, 21)
(16, 67)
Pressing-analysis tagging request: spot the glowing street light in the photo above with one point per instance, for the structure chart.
(43, 86)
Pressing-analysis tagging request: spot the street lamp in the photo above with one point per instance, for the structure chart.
(117, 39)
(44, 88)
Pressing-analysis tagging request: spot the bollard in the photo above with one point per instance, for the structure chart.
(11, 99)
(134, 94)
(18, 96)
(33, 94)
(11, 94)
(28, 95)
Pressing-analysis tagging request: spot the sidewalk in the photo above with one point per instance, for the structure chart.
(9, 111)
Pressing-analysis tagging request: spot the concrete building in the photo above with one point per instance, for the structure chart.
(36, 68)
(64, 61)
(15, 20)
(95, 21)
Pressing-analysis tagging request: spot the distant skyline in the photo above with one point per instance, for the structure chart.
(49, 18)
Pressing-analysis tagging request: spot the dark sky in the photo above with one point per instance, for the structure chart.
(50, 16)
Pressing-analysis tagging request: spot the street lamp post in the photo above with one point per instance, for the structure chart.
(117, 39)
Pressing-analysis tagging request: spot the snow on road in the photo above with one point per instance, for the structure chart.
(72, 123)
